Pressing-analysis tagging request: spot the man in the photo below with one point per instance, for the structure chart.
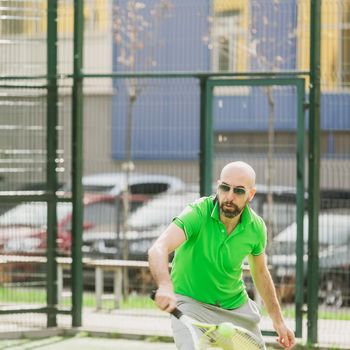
(211, 238)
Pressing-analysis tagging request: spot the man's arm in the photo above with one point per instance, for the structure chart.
(158, 258)
(264, 284)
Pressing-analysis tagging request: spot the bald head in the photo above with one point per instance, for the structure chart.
(239, 172)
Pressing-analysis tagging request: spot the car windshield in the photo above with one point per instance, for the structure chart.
(139, 183)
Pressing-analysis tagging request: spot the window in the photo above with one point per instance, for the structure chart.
(345, 47)
(17, 17)
(225, 37)
(95, 16)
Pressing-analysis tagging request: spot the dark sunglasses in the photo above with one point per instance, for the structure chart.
(236, 190)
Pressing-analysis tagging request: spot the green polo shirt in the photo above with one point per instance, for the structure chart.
(208, 265)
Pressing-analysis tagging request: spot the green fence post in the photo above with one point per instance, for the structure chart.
(314, 170)
(51, 176)
(77, 165)
(299, 281)
(206, 139)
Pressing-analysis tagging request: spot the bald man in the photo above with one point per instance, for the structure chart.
(211, 238)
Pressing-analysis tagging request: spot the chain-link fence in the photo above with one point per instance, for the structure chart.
(142, 137)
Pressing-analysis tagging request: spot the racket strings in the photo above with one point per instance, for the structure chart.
(209, 334)
(238, 341)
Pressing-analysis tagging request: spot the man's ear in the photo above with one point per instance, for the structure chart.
(251, 194)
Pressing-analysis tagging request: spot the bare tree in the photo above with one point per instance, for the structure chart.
(269, 64)
(252, 49)
(135, 28)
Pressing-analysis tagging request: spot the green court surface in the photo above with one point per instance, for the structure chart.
(82, 343)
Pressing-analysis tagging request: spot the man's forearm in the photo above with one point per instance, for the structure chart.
(267, 292)
(158, 259)
(265, 286)
(266, 289)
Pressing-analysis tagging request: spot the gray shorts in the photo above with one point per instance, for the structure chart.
(246, 316)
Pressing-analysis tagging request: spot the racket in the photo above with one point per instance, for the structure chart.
(224, 335)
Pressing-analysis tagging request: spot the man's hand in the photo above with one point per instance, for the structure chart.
(285, 336)
(165, 298)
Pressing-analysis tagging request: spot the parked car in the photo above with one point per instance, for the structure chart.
(139, 183)
(334, 256)
(23, 228)
(101, 245)
(23, 231)
(144, 226)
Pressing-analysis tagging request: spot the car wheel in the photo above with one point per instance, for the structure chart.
(332, 295)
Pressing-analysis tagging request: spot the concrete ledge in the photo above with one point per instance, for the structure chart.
(31, 334)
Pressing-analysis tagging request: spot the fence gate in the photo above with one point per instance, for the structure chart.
(283, 97)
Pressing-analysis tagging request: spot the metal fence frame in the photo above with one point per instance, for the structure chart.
(299, 84)
(77, 76)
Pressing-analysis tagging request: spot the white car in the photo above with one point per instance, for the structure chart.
(139, 183)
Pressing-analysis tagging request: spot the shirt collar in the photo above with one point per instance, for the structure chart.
(246, 217)
(215, 213)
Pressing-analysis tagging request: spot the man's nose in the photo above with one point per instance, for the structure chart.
(231, 194)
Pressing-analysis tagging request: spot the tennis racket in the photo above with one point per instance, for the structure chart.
(224, 336)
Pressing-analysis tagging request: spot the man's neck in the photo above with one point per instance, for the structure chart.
(230, 223)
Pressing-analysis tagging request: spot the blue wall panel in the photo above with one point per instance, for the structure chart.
(166, 114)
(250, 113)
(273, 33)
(335, 111)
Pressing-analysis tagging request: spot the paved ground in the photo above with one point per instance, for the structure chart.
(139, 324)
(83, 343)
(330, 333)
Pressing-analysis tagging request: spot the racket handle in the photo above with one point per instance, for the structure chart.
(153, 294)
(176, 312)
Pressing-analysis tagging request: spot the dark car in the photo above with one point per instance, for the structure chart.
(145, 224)
(334, 256)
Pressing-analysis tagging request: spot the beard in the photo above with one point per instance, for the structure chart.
(232, 211)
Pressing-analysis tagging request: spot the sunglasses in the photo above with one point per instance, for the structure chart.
(236, 190)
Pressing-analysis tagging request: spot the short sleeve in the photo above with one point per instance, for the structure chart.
(189, 220)
(260, 246)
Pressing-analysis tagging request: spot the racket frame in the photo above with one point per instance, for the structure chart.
(206, 328)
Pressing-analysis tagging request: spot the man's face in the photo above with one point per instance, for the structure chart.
(232, 199)
(236, 187)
